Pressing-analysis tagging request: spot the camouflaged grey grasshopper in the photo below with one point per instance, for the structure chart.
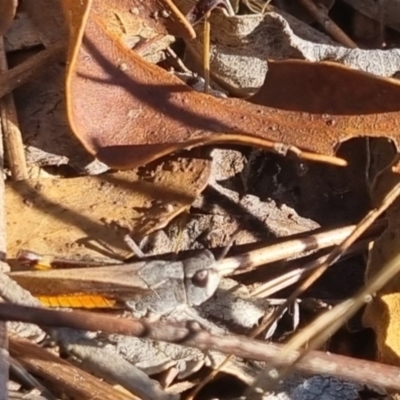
(159, 287)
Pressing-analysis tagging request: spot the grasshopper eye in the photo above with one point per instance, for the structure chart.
(200, 278)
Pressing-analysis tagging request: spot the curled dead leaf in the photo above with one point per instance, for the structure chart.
(128, 112)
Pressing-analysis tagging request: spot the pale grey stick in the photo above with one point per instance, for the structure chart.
(289, 278)
(285, 279)
(283, 250)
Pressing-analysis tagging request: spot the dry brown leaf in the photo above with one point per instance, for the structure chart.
(63, 216)
(127, 112)
(351, 101)
(115, 100)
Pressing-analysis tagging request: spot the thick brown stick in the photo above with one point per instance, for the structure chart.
(190, 334)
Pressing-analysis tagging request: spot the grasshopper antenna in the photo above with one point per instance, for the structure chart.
(133, 246)
(226, 249)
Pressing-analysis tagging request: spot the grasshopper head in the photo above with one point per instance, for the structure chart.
(201, 278)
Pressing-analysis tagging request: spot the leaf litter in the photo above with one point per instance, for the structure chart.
(127, 112)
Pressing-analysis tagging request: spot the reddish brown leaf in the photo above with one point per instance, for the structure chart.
(329, 88)
(128, 112)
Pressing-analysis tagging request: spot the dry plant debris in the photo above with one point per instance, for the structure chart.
(105, 207)
(106, 145)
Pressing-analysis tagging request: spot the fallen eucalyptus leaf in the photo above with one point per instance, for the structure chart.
(144, 113)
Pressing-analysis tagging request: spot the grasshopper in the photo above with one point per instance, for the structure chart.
(158, 287)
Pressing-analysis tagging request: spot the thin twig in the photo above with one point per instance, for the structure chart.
(292, 277)
(321, 16)
(259, 142)
(324, 264)
(4, 365)
(286, 248)
(32, 67)
(11, 133)
(381, 278)
(206, 51)
(178, 61)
